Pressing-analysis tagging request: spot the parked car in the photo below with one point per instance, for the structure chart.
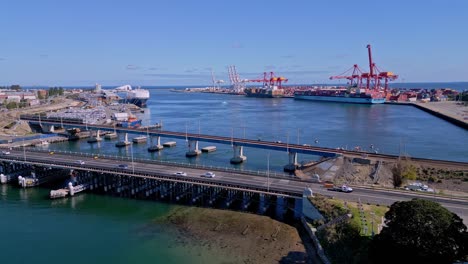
(180, 173)
(208, 174)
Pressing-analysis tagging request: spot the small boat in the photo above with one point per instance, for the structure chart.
(42, 143)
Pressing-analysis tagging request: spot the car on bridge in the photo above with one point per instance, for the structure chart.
(344, 188)
(80, 162)
(5, 152)
(208, 174)
(180, 173)
(122, 166)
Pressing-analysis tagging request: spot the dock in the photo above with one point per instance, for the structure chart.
(70, 191)
(140, 139)
(451, 111)
(110, 136)
(170, 144)
(209, 149)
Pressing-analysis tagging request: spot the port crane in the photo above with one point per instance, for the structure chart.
(370, 80)
(272, 80)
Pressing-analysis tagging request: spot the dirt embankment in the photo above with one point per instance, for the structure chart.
(343, 170)
(244, 237)
(10, 126)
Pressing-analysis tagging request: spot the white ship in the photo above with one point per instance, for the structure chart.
(137, 96)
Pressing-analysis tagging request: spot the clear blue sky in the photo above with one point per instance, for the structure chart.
(177, 42)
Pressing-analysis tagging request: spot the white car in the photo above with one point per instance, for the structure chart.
(209, 174)
(180, 173)
(5, 152)
(80, 162)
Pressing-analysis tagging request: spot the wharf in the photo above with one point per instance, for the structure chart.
(209, 149)
(170, 144)
(451, 111)
(140, 139)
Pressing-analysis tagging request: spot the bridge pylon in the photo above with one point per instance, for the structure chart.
(292, 165)
(238, 155)
(157, 147)
(193, 149)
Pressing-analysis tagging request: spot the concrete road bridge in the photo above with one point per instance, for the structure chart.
(143, 178)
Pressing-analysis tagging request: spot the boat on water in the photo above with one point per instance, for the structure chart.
(127, 94)
(264, 92)
(342, 95)
(363, 87)
(271, 87)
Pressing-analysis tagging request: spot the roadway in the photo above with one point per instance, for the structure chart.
(284, 186)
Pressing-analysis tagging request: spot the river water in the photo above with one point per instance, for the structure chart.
(98, 229)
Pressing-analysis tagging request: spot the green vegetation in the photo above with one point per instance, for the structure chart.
(346, 241)
(55, 91)
(402, 171)
(420, 231)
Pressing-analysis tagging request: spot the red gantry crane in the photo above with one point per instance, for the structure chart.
(373, 79)
(270, 81)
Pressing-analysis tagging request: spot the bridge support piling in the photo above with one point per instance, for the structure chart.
(238, 155)
(157, 147)
(193, 149)
(292, 165)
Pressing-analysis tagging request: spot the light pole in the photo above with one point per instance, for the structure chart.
(24, 151)
(298, 136)
(372, 216)
(232, 136)
(133, 164)
(268, 172)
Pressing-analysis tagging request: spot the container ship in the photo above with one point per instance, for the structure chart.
(265, 92)
(131, 122)
(271, 87)
(342, 95)
(363, 87)
(137, 96)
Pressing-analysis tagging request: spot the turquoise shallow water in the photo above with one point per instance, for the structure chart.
(88, 229)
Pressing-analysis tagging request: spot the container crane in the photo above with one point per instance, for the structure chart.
(270, 81)
(373, 79)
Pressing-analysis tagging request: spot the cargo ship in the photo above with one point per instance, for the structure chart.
(128, 95)
(131, 122)
(363, 87)
(264, 92)
(342, 95)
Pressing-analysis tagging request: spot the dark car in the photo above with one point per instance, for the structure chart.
(123, 166)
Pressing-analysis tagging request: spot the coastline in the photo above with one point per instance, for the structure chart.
(450, 111)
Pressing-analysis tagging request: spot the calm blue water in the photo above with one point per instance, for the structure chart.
(392, 129)
(99, 229)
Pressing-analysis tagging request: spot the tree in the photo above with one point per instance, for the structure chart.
(403, 170)
(420, 231)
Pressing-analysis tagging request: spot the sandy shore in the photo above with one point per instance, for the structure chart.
(241, 237)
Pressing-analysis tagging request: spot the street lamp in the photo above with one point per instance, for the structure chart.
(268, 172)
(372, 216)
(133, 164)
(24, 151)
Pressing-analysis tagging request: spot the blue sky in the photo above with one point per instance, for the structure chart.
(177, 42)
